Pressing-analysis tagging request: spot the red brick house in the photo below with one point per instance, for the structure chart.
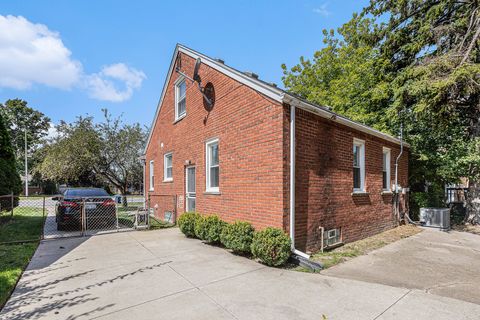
(268, 157)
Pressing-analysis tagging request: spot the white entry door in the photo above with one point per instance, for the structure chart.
(190, 195)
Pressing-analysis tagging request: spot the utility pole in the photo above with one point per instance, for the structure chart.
(26, 165)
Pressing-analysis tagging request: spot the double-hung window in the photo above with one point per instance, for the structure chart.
(180, 98)
(168, 167)
(212, 166)
(358, 165)
(386, 169)
(151, 175)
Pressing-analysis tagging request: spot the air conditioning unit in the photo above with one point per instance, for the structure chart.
(435, 217)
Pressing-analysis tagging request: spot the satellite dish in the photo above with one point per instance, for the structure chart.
(196, 76)
(208, 96)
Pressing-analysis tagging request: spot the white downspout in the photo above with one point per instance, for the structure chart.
(397, 199)
(292, 183)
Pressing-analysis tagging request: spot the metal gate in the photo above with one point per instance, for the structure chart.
(34, 218)
(49, 217)
(85, 216)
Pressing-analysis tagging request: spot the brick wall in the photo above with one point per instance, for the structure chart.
(324, 182)
(254, 148)
(249, 128)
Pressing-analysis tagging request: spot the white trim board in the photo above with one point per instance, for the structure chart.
(264, 88)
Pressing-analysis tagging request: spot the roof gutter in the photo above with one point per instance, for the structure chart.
(327, 114)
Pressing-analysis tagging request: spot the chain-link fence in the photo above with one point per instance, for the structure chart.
(48, 217)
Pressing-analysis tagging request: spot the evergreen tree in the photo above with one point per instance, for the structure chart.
(9, 178)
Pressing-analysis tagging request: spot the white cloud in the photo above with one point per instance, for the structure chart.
(104, 85)
(52, 132)
(322, 10)
(32, 54)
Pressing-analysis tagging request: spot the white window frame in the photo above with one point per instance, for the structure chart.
(327, 237)
(177, 98)
(151, 174)
(165, 156)
(360, 143)
(207, 166)
(387, 152)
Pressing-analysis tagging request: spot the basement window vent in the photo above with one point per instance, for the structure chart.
(168, 216)
(332, 237)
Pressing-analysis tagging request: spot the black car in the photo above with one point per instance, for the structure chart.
(96, 203)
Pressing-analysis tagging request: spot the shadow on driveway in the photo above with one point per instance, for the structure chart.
(163, 275)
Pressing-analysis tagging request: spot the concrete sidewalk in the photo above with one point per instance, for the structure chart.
(163, 275)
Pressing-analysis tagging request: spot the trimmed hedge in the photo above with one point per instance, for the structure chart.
(187, 222)
(237, 236)
(272, 246)
(201, 228)
(209, 228)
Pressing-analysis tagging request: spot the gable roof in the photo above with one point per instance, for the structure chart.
(266, 89)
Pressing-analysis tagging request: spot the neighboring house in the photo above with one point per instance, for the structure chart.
(235, 159)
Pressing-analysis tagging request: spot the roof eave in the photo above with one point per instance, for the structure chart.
(332, 116)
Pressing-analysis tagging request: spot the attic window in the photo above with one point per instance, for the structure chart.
(180, 99)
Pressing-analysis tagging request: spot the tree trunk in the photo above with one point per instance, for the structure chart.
(473, 203)
(124, 198)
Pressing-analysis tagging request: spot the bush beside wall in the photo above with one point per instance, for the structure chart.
(272, 246)
(238, 236)
(187, 222)
(209, 228)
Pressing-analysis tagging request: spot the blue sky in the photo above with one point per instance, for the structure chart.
(70, 58)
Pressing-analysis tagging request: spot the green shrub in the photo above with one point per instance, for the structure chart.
(237, 236)
(187, 222)
(209, 228)
(200, 228)
(271, 246)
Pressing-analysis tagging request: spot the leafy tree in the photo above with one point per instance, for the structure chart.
(19, 117)
(433, 54)
(344, 75)
(85, 153)
(9, 178)
(414, 62)
(121, 148)
(71, 156)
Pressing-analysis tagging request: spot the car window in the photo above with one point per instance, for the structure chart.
(86, 193)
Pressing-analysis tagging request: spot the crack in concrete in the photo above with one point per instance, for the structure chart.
(403, 296)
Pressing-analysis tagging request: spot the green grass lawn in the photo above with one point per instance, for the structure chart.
(26, 224)
(13, 260)
(126, 220)
(364, 246)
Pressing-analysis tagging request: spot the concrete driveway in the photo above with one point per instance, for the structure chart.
(440, 263)
(163, 275)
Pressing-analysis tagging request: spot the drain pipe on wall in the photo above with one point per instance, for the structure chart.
(397, 198)
(292, 184)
